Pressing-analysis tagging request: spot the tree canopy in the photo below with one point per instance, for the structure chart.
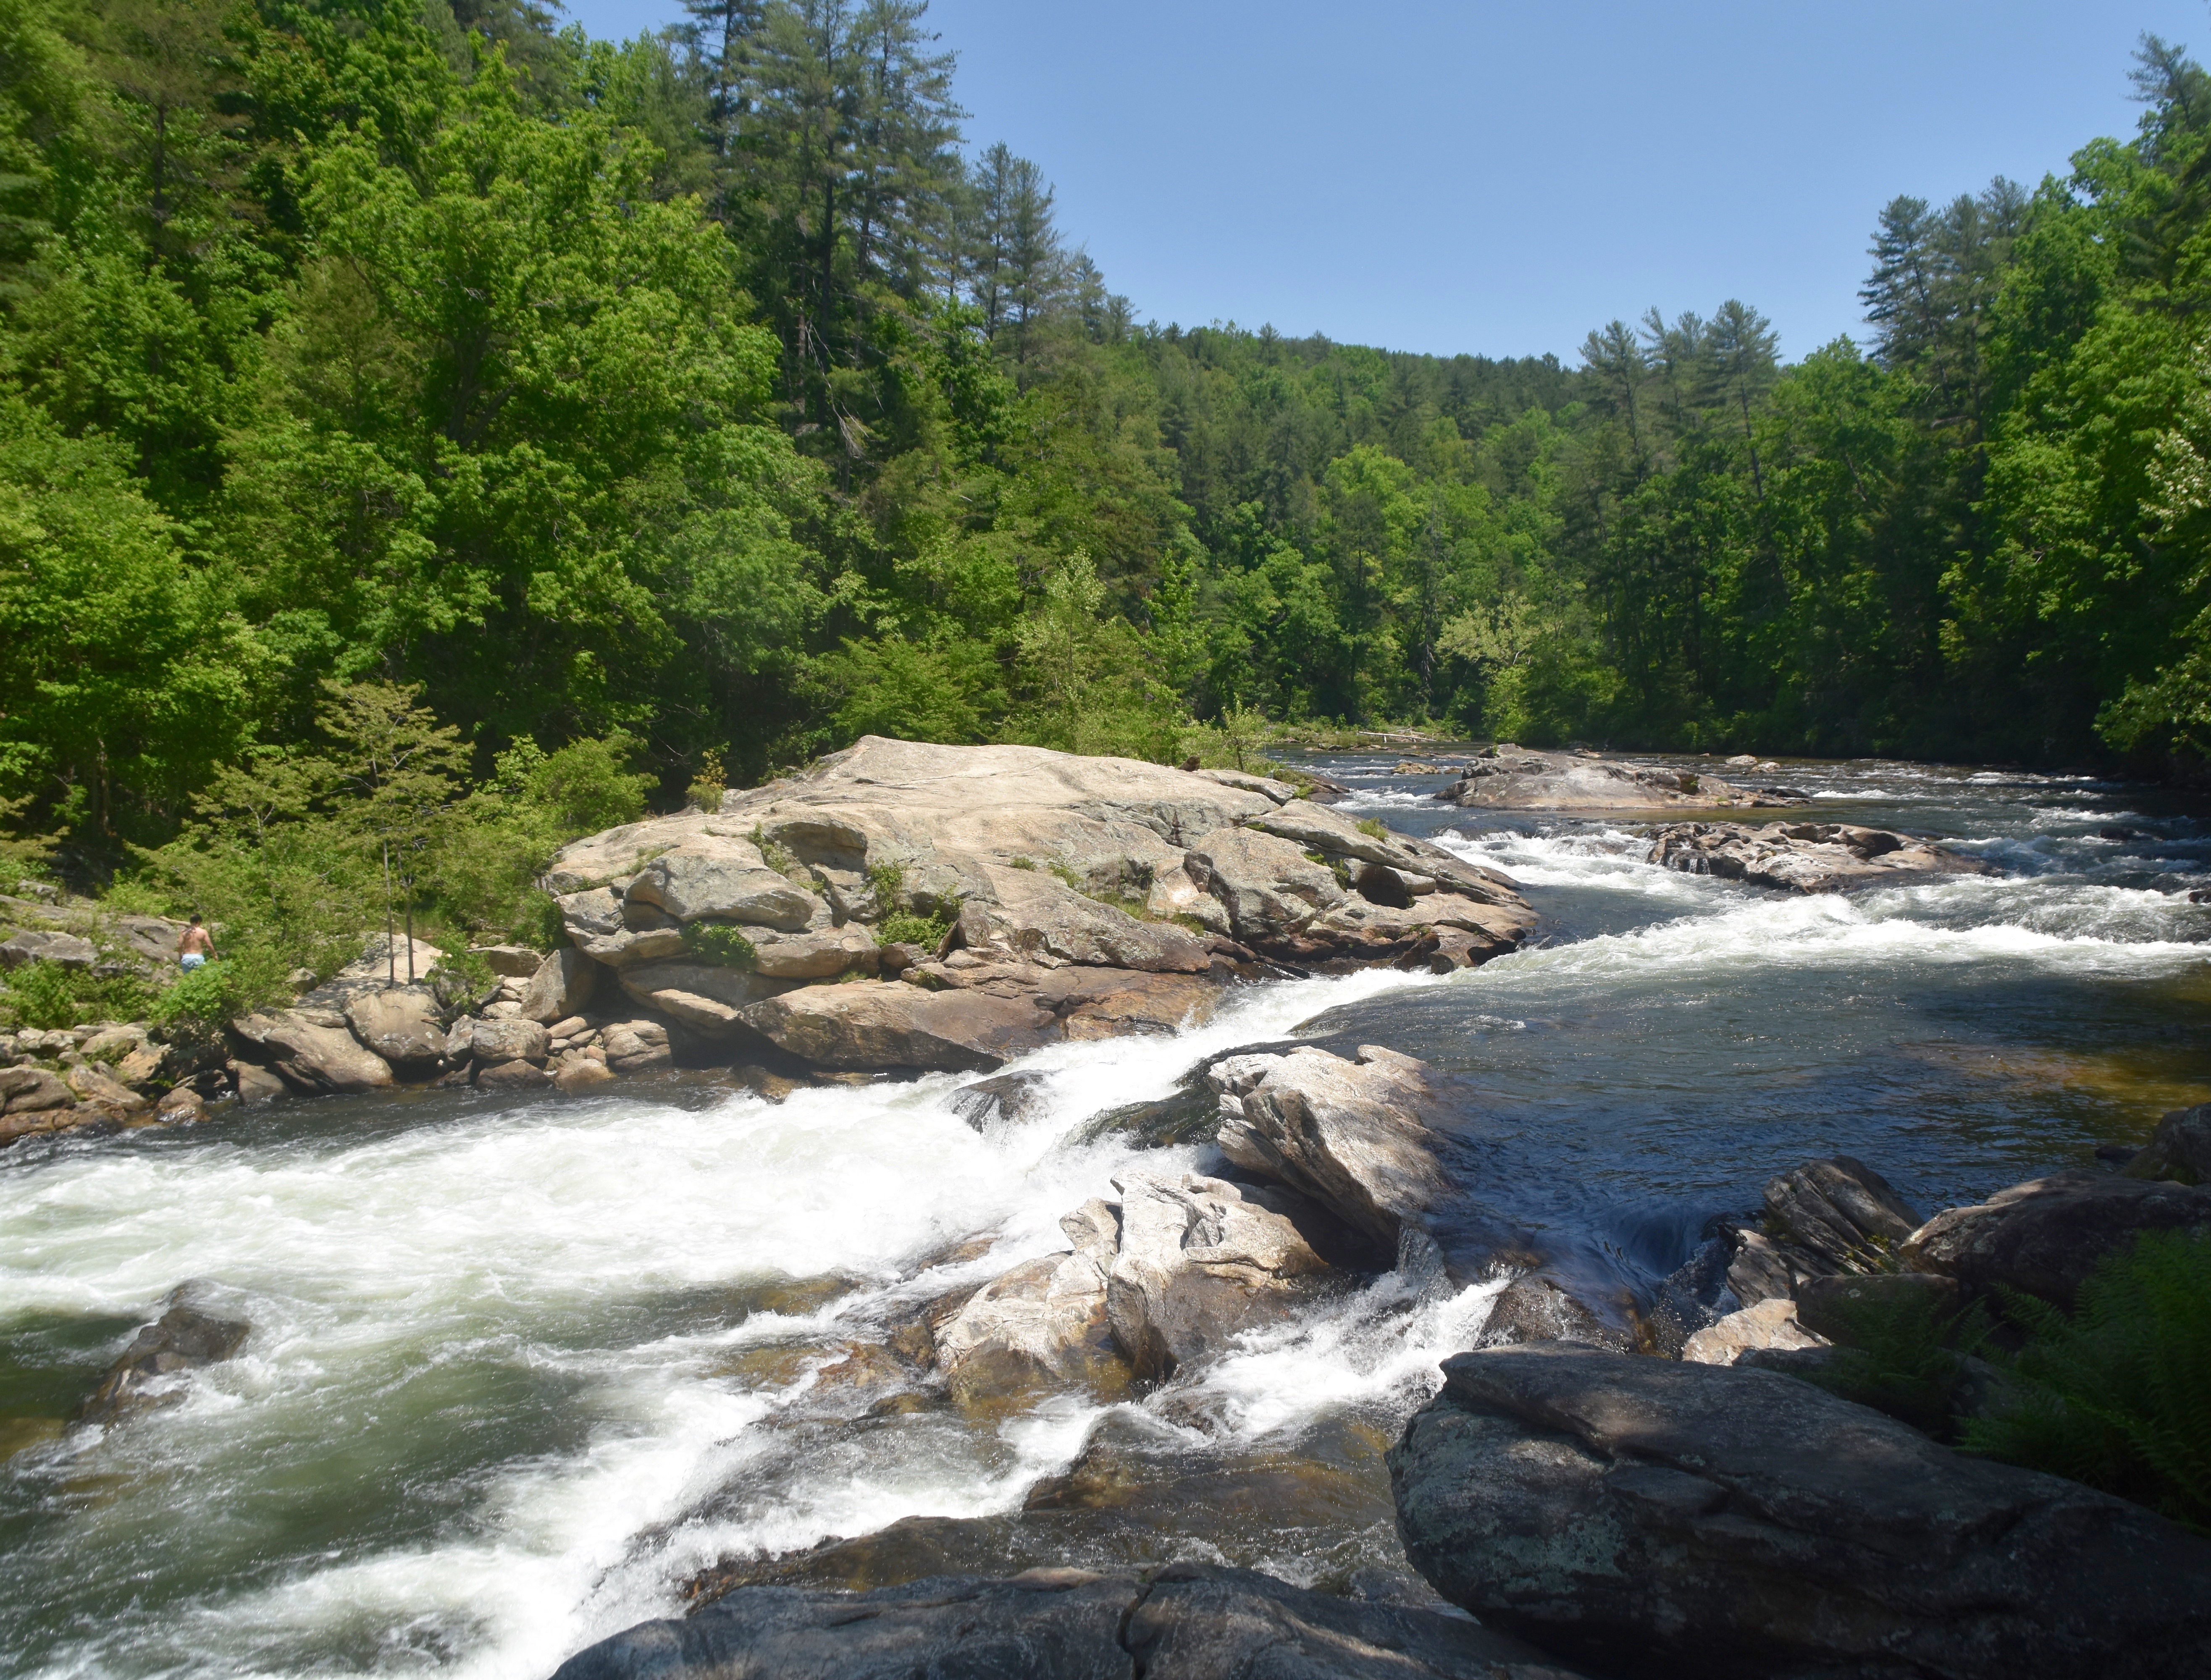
(704, 400)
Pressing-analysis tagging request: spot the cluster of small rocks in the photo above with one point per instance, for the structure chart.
(55, 1079)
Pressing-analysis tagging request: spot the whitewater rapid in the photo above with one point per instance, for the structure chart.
(506, 1387)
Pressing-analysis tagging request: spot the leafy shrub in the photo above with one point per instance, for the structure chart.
(462, 981)
(708, 782)
(1372, 828)
(222, 991)
(719, 943)
(47, 995)
(2116, 1396)
(902, 929)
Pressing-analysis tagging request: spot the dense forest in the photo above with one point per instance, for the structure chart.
(411, 406)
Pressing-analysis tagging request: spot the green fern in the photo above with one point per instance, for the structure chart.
(1902, 1355)
(2118, 1396)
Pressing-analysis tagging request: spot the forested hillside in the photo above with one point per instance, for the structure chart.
(679, 408)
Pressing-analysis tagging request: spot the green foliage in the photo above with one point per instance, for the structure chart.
(719, 943)
(708, 782)
(1901, 1354)
(905, 929)
(693, 405)
(47, 995)
(1372, 828)
(216, 993)
(2114, 1396)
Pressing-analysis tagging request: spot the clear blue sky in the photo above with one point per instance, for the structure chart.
(1502, 175)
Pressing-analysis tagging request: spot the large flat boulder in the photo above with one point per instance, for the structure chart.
(66, 950)
(1266, 885)
(1519, 780)
(561, 985)
(1189, 1622)
(2044, 1237)
(315, 1056)
(1049, 1624)
(706, 997)
(1031, 915)
(1031, 861)
(399, 1023)
(1648, 1517)
(1806, 857)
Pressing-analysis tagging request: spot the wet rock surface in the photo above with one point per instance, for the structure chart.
(1516, 779)
(185, 1339)
(1186, 1621)
(1806, 857)
(1348, 1134)
(1649, 1517)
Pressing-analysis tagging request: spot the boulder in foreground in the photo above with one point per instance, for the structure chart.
(1190, 1621)
(1652, 1517)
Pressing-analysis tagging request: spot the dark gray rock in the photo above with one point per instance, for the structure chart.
(184, 1338)
(2179, 1151)
(1062, 1625)
(1837, 1308)
(1204, 1622)
(1828, 1216)
(1657, 1518)
(1004, 1099)
(1191, 1621)
(39, 945)
(2044, 1237)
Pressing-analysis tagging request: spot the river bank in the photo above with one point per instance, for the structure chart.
(524, 1366)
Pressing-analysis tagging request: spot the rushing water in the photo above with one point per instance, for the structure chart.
(519, 1369)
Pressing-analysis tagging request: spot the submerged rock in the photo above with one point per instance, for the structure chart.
(1652, 1517)
(1189, 1622)
(184, 1338)
(1806, 857)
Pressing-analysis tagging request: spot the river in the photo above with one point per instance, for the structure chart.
(519, 1369)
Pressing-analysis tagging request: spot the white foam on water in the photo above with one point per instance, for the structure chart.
(1380, 1345)
(428, 1281)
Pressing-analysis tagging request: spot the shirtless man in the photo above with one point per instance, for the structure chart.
(195, 948)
